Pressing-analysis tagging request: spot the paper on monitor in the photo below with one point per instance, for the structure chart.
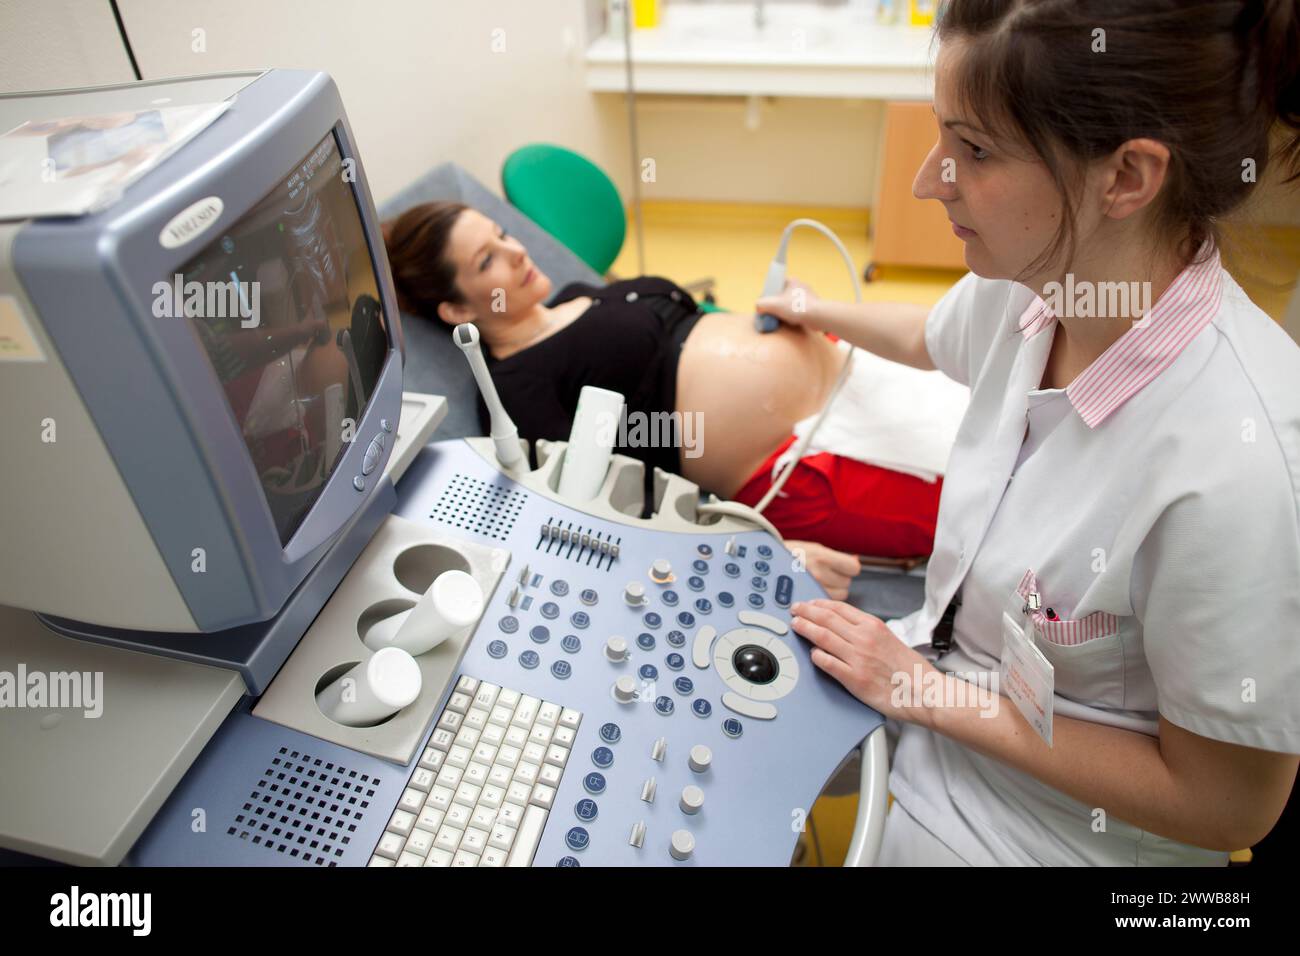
(83, 164)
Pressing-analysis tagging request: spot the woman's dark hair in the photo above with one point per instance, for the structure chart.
(1074, 79)
(423, 273)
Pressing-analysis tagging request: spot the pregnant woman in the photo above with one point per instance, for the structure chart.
(737, 394)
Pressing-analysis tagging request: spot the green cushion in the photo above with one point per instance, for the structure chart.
(570, 197)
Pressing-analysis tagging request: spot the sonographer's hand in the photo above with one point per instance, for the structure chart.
(793, 306)
(861, 652)
(833, 570)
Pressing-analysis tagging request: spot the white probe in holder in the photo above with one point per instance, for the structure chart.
(505, 437)
(373, 690)
(453, 602)
(591, 443)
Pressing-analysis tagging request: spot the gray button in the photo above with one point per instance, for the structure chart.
(359, 483)
(631, 297)
(675, 295)
(385, 424)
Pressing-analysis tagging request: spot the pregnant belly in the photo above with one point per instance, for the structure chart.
(745, 392)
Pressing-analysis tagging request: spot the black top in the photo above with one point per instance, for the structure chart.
(627, 341)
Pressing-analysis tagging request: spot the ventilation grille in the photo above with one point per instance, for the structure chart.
(473, 504)
(305, 808)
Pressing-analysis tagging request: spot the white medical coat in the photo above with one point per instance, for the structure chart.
(1154, 504)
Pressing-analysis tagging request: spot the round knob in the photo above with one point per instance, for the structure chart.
(661, 572)
(625, 690)
(616, 649)
(701, 757)
(634, 594)
(683, 845)
(692, 799)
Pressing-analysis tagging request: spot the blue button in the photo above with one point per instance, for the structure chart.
(765, 550)
(645, 641)
(732, 570)
(651, 619)
(570, 643)
(695, 582)
(756, 600)
(568, 861)
(585, 809)
(703, 605)
(594, 783)
(758, 584)
(726, 599)
(732, 727)
(683, 685)
(579, 619)
(529, 659)
(686, 619)
(540, 634)
(676, 638)
(602, 757)
(648, 672)
(762, 567)
(740, 550)
(701, 707)
(611, 733)
(550, 610)
(701, 567)
(498, 649)
(704, 550)
(559, 587)
(577, 838)
(588, 596)
(670, 598)
(675, 662)
(664, 705)
(561, 670)
(509, 624)
(784, 589)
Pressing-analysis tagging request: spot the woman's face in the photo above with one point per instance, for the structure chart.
(1004, 203)
(493, 271)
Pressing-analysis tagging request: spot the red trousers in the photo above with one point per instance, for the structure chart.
(849, 506)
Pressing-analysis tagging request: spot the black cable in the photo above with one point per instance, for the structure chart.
(126, 41)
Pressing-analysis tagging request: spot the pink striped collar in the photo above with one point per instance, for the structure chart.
(1139, 355)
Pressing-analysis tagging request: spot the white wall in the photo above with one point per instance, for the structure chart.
(49, 44)
(423, 81)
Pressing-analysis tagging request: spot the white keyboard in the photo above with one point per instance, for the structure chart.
(481, 793)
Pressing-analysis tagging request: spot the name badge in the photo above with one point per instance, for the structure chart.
(1027, 677)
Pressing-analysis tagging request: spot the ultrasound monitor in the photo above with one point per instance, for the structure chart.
(211, 379)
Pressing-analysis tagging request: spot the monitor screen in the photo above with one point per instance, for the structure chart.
(286, 304)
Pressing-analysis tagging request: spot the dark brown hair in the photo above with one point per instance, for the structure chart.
(1208, 78)
(423, 273)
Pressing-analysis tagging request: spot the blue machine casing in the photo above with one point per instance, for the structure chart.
(273, 795)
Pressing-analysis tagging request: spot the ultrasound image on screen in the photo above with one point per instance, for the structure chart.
(286, 304)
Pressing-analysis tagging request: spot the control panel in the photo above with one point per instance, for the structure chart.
(631, 696)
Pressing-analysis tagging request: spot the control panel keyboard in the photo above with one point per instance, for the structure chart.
(485, 786)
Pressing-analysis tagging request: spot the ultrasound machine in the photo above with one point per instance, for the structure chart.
(323, 638)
